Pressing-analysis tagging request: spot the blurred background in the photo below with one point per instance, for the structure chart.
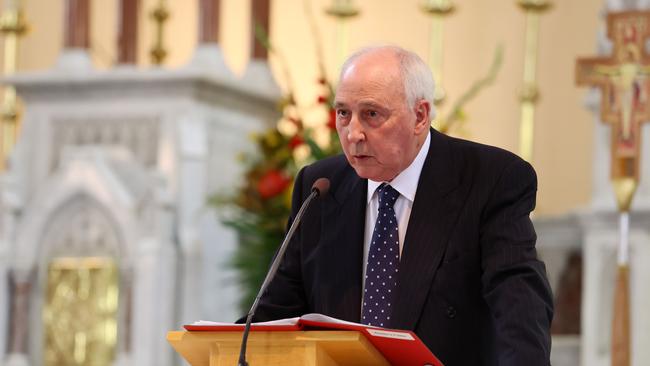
(148, 150)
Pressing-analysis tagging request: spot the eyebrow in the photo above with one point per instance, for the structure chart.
(371, 104)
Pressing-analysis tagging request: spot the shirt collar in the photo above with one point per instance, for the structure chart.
(406, 182)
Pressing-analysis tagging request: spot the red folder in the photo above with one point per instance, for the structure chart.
(399, 347)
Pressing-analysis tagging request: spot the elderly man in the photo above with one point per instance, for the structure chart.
(420, 231)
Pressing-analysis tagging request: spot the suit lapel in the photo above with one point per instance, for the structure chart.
(435, 209)
(342, 245)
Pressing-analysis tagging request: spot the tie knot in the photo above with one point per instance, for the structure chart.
(387, 196)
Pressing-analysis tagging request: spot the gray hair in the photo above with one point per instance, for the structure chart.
(416, 74)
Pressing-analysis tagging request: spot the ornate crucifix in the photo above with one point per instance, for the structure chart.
(624, 79)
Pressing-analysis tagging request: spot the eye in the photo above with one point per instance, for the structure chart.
(342, 114)
(371, 114)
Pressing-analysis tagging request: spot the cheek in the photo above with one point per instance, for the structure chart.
(393, 148)
(345, 144)
(392, 151)
(341, 131)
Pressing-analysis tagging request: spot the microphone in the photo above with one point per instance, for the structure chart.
(319, 188)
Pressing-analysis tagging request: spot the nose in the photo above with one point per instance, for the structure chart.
(355, 130)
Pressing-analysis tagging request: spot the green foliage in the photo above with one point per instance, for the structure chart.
(259, 209)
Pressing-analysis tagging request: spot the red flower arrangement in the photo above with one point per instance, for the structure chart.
(272, 184)
(262, 205)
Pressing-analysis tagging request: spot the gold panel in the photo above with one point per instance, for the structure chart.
(80, 312)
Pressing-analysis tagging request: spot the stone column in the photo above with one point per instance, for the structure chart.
(77, 24)
(260, 17)
(258, 77)
(209, 21)
(208, 56)
(128, 32)
(76, 37)
(20, 286)
(124, 329)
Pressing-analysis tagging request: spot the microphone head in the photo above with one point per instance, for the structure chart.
(321, 186)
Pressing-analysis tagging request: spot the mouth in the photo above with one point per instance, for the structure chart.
(362, 157)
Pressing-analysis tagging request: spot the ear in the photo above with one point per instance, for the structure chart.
(422, 120)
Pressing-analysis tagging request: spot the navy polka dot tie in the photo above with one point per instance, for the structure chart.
(383, 262)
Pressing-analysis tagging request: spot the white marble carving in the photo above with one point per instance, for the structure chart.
(120, 163)
(208, 57)
(599, 275)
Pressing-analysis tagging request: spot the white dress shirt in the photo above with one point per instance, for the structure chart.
(406, 183)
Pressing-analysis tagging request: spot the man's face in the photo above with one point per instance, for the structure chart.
(380, 134)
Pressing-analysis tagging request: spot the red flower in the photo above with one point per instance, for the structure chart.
(296, 141)
(272, 184)
(322, 99)
(332, 121)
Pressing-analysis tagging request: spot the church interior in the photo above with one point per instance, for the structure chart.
(139, 138)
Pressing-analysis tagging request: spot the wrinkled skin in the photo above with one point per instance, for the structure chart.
(380, 133)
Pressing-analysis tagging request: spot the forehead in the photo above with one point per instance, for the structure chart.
(375, 76)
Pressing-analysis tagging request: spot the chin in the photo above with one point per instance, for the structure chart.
(366, 173)
(363, 172)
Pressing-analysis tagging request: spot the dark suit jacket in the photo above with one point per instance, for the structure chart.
(470, 285)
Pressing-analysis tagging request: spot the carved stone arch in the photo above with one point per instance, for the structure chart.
(79, 227)
(86, 209)
(82, 179)
(82, 226)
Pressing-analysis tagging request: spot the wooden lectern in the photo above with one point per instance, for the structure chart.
(300, 348)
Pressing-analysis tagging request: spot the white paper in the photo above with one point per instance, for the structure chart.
(391, 334)
(288, 321)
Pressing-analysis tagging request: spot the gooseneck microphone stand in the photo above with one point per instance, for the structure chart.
(319, 188)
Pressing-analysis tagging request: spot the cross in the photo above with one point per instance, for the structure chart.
(624, 79)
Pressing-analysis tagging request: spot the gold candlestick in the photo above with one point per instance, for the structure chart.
(438, 10)
(12, 27)
(160, 15)
(342, 10)
(530, 93)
